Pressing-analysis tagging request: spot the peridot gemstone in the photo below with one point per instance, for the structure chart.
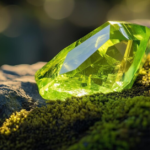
(107, 59)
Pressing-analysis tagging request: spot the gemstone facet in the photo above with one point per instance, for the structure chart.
(107, 59)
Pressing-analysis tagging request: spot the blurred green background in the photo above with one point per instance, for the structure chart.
(36, 30)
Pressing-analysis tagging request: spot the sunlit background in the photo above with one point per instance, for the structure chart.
(36, 30)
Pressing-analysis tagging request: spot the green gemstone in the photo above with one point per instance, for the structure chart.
(107, 59)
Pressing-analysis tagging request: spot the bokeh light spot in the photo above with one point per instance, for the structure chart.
(4, 18)
(36, 2)
(16, 23)
(58, 9)
(120, 12)
(137, 6)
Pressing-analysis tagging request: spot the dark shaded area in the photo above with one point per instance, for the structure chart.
(9, 2)
(11, 72)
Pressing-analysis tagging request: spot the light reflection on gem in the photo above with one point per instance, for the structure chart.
(84, 50)
(56, 84)
(82, 92)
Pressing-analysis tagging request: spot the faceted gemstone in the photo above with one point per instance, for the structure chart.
(107, 59)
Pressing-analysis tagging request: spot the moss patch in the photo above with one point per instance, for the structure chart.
(115, 121)
(123, 124)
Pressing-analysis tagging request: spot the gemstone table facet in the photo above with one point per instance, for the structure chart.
(106, 60)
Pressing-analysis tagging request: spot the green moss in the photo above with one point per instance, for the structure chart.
(117, 121)
(61, 124)
(122, 125)
(56, 124)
